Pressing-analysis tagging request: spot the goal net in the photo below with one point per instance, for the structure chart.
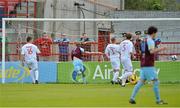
(56, 38)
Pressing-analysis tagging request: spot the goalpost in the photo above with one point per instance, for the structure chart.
(5, 20)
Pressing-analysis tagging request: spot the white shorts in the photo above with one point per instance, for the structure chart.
(127, 64)
(32, 64)
(115, 63)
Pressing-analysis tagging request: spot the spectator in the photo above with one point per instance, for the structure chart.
(63, 43)
(44, 43)
(137, 42)
(145, 34)
(84, 38)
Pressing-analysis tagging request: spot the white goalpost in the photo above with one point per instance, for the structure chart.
(4, 20)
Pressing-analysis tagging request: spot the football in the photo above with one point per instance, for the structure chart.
(133, 79)
(173, 57)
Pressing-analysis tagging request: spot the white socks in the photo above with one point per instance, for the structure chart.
(34, 75)
(115, 76)
(125, 76)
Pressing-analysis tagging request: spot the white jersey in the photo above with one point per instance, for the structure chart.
(30, 51)
(112, 50)
(126, 47)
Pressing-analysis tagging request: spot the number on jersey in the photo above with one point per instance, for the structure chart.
(112, 50)
(29, 49)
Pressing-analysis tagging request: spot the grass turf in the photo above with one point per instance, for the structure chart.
(79, 95)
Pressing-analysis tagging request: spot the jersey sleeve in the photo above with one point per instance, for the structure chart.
(68, 40)
(119, 48)
(82, 50)
(37, 41)
(150, 44)
(37, 50)
(106, 50)
(22, 51)
(50, 41)
(57, 40)
(131, 47)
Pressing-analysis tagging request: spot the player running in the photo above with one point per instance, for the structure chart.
(113, 53)
(29, 56)
(126, 51)
(148, 71)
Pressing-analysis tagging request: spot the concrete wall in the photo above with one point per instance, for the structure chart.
(105, 9)
(168, 30)
(66, 9)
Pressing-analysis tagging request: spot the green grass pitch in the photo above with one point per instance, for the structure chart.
(80, 95)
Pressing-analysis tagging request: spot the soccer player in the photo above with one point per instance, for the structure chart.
(126, 51)
(148, 71)
(79, 68)
(29, 52)
(113, 53)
